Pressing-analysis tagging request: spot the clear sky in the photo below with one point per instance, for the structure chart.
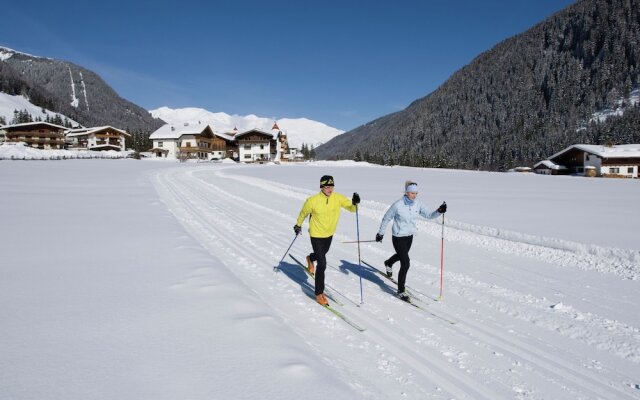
(341, 62)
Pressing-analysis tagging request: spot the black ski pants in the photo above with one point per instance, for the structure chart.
(402, 245)
(320, 249)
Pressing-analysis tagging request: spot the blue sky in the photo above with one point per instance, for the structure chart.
(343, 62)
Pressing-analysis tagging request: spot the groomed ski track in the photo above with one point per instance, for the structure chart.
(510, 340)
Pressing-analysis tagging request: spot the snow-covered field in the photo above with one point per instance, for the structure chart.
(125, 279)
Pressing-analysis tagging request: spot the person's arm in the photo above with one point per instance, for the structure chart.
(388, 216)
(306, 210)
(424, 211)
(347, 203)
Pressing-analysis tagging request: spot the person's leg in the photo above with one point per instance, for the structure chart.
(320, 249)
(392, 260)
(402, 245)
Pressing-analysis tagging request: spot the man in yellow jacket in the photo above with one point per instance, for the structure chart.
(324, 211)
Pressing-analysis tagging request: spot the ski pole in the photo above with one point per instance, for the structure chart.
(441, 258)
(359, 241)
(359, 260)
(277, 267)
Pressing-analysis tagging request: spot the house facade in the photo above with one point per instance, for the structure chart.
(99, 138)
(41, 135)
(597, 160)
(254, 146)
(191, 141)
(198, 141)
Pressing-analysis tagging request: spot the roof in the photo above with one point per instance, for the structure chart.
(549, 164)
(225, 135)
(615, 151)
(169, 131)
(25, 124)
(88, 131)
(238, 135)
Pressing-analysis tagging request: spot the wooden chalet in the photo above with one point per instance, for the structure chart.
(546, 167)
(41, 135)
(254, 146)
(200, 141)
(190, 141)
(98, 138)
(597, 160)
(223, 146)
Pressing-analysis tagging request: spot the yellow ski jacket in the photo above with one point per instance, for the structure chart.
(325, 212)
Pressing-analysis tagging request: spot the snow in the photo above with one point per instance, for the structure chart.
(549, 164)
(74, 100)
(168, 131)
(137, 279)
(298, 130)
(621, 105)
(20, 151)
(614, 151)
(10, 103)
(84, 91)
(6, 53)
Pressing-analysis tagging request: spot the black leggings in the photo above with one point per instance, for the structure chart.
(402, 245)
(320, 249)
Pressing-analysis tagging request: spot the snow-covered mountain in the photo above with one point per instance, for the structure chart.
(299, 130)
(10, 103)
(72, 90)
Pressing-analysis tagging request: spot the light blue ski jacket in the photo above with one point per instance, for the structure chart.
(404, 213)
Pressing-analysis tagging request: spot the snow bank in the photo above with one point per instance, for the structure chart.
(20, 151)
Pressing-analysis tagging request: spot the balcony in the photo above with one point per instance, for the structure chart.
(34, 134)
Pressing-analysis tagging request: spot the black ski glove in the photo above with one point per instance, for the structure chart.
(355, 199)
(443, 208)
(379, 237)
(297, 229)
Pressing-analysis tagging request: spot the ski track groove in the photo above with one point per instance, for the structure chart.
(551, 364)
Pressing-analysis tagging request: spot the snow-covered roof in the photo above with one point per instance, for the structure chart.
(169, 131)
(615, 151)
(225, 136)
(25, 124)
(88, 131)
(549, 164)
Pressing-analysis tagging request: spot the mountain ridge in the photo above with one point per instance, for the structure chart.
(69, 89)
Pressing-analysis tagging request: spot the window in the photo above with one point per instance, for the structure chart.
(630, 170)
(247, 156)
(159, 144)
(614, 170)
(261, 147)
(247, 147)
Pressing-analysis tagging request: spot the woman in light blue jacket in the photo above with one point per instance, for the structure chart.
(404, 213)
